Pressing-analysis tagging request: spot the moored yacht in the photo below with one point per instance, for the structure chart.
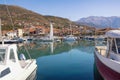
(14, 68)
(107, 57)
(69, 38)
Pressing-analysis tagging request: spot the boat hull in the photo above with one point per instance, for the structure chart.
(106, 72)
(32, 76)
(11, 42)
(28, 73)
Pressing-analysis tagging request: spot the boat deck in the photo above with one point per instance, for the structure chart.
(23, 63)
(101, 50)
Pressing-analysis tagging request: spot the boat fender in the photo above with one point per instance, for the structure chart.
(22, 56)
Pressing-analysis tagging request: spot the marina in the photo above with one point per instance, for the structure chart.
(45, 40)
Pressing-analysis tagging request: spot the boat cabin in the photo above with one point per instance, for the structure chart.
(112, 48)
(113, 41)
(8, 59)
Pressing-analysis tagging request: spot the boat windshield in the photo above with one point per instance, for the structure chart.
(118, 44)
(2, 55)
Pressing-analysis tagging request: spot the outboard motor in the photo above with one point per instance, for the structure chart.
(22, 57)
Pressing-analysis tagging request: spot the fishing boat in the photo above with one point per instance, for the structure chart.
(107, 57)
(14, 68)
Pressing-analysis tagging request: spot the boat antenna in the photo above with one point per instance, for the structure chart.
(9, 14)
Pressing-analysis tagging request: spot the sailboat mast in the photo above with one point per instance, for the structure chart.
(51, 31)
(0, 30)
(71, 29)
(1, 33)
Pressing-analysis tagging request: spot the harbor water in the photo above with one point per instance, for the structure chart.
(64, 60)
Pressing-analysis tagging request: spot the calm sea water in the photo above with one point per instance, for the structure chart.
(64, 60)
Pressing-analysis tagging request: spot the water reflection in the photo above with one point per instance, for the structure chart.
(51, 47)
(38, 49)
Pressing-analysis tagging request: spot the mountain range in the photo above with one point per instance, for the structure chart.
(23, 17)
(100, 22)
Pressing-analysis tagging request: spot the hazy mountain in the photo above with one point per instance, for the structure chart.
(22, 17)
(100, 22)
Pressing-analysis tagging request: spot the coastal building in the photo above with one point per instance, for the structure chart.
(11, 34)
(20, 33)
(40, 30)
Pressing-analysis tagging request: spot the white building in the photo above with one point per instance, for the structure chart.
(20, 33)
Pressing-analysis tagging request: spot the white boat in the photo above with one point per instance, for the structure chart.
(69, 38)
(107, 57)
(12, 68)
(11, 41)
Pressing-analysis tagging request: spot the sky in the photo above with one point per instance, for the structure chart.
(71, 9)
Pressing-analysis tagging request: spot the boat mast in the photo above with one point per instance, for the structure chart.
(0, 31)
(71, 29)
(1, 39)
(51, 31)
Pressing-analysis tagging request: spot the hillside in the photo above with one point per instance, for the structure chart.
(23, 17)
(100, 22)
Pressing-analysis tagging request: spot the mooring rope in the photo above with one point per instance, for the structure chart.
(9, 14)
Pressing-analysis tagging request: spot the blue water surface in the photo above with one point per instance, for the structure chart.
(66, 61)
